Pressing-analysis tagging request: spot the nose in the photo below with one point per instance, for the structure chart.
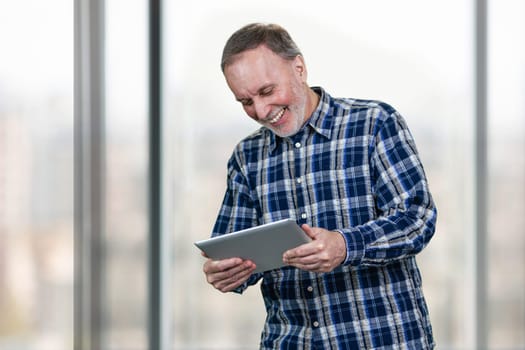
(261, 109)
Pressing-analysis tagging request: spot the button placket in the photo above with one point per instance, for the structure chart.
(298, 170)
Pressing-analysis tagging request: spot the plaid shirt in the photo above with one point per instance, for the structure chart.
(353, 168)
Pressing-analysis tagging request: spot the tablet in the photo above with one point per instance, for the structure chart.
(264, 245)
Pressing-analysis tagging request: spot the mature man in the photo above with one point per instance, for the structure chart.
(347, 170)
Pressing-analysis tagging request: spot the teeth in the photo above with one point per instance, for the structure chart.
(277, 117)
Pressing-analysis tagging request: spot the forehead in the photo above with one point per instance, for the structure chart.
(256, 67)
(259, 55)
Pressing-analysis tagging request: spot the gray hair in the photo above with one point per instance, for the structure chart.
(275, 37)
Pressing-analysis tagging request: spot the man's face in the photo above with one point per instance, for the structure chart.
(272, 90)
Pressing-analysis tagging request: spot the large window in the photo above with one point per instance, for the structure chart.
(418, 56)
(402, 53)
(506, 184)
(125, 282)
(36, 175)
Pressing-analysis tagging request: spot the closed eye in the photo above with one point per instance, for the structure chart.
(263, 92)
(266, 91)
(246, 102)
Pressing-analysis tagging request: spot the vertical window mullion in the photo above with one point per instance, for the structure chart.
(157, 325)
(89, 172)
(481, 176)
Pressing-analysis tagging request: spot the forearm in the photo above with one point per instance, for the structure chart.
(405, 232)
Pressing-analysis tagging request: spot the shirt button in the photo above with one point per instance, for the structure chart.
(303, 215)
(310, 289)
(297, 145)
(299, 180)
(316, 324)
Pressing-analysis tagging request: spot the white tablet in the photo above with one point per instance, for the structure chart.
(264, 245)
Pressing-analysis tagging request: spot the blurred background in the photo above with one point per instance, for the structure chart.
(419, 56)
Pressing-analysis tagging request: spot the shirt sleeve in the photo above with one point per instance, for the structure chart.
(238, 210)
(406, 213)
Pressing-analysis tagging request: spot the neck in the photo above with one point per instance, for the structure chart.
(312, 100)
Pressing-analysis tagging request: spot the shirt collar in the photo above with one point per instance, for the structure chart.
(320, 121)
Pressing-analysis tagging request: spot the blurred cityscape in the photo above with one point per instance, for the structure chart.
(36, 223)
(36, 238)
(202, 125)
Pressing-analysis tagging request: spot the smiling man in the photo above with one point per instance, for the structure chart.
(348, 172)
(272, 90)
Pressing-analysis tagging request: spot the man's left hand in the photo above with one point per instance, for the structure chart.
(325, 252)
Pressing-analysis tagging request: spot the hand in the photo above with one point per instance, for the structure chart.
(228, 274)
(323, 254)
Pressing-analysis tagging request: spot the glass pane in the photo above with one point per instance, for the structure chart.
(126, 281)
(507, 174)
(402, 54)
(36, 175)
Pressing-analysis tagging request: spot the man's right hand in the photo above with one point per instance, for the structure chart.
(228, 274)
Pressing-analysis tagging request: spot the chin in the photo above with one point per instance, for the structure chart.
(286, 129)
(284, 133)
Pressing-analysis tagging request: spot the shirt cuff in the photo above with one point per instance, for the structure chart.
(355, 246)
(254, 278)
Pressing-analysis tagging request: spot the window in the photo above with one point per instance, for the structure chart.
(408, 59)
(36, 175)
(506, 181)
(125, 281)
(419, 57)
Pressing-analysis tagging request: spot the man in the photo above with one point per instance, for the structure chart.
(347, 170)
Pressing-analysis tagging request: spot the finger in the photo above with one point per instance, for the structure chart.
(309, 231)
(309, 263)
(233, 278)
(318, 266)
(303, 251)
(235, 281)
(215, 266)
(227, 275)
(305, 260)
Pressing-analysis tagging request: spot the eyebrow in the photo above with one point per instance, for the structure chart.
(259, 92)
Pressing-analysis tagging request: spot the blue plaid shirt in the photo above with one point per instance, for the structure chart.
(353, 168)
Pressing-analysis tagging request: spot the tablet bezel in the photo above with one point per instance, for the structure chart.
(264, 244)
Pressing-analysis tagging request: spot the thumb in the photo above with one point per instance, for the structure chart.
(309, 231)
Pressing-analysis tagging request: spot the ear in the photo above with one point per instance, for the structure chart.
(300, 67)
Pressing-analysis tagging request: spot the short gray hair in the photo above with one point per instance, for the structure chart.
(275, 37)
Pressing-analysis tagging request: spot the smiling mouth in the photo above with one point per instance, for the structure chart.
(277, 117)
